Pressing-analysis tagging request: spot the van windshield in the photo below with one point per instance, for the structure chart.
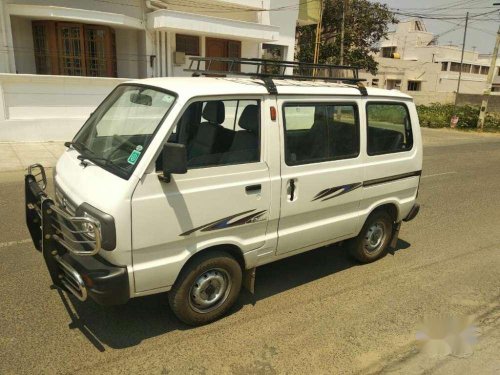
(121, 128)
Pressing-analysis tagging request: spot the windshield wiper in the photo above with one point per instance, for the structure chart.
(83, 157)
(79, 145)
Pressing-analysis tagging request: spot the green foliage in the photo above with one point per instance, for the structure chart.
(438, 115)
(366, 23)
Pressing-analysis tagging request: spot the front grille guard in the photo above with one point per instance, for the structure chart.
(55, 232)
(49, 224)
(79, 235)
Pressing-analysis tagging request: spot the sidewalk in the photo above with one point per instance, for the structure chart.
(18, 156)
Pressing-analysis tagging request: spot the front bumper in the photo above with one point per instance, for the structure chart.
(70, 253)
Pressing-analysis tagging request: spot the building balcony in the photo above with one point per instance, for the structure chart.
(190, 23)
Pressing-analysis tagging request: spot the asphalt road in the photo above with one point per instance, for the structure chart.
(318, 312)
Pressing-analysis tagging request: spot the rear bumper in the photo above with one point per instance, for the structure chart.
(71, 256)
(413, 212)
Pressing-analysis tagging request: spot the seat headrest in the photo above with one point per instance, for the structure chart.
(249, 119)
(214, 112)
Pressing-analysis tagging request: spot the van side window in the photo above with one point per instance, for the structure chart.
(316, 132)
(220, 132)
(389, 128)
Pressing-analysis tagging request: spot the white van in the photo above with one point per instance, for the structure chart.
(186, 185)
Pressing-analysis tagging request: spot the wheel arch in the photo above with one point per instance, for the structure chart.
(229, 249)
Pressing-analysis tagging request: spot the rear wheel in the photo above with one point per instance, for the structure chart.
(206, 288)
(373, 240)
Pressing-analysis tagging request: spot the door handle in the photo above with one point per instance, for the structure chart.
(253, 188)
(291, 189)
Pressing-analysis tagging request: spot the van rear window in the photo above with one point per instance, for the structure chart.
(389, 128)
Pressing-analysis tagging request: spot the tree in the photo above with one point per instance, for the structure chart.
(366, 23)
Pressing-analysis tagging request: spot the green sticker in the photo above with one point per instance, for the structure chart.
(132, 159)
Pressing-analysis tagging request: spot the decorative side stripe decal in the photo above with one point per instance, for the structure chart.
(336, 191)
(226, 222)
(330, 193)
(384, 180)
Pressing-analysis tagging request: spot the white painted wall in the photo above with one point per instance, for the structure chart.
(48, 108)
(131, 8)
(129, 57)
(22, 37)
(286, 20)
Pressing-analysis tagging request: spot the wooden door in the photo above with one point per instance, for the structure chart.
(222, 48)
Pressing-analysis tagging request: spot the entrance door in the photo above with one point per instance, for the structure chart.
(321, 173)
(222, 48)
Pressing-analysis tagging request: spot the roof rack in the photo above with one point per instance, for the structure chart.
(266, 70)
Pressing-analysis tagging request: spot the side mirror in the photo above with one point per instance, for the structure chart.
(174, 160)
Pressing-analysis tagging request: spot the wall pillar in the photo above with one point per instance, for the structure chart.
(163, 46)
(169, 55)
(158, 55)
(7, 61)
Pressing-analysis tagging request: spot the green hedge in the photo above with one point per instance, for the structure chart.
(439, 115)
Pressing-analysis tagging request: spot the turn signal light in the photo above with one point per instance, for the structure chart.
(273, 113)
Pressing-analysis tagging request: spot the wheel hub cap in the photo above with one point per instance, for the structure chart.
(374, 237)
(209, 290)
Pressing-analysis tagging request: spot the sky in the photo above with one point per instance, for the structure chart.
(481, 31)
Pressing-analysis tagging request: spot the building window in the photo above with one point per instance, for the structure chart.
(495, 88)
(466, 68)
(189, 44)
(393, 84)
(475, 69)
(485, 70)
(375, 82)
(389, 128)
(388, 52)
(414, 86)
(454, 67)
(74, 49)
(444, 66)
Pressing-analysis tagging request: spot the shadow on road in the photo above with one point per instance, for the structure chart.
(146, 317)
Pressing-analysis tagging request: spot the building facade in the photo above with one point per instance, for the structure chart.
(410, 60)
(59, 59)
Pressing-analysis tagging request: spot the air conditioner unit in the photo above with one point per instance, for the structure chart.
(179, 58)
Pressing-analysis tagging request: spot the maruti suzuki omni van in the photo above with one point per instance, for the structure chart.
(186, 185)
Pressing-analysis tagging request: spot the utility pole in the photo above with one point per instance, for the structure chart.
(342, 31)
(461, 60)
(489, 82)
(318, 35)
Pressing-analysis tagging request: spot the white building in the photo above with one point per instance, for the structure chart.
(60, 58)
(410, 60)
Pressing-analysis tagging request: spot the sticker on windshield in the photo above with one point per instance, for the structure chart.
(132, 159)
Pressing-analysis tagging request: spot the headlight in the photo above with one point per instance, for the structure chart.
(105, 224)
(87, 228)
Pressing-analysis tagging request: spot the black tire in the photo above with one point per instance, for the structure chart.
(189, 299)
(367, 247)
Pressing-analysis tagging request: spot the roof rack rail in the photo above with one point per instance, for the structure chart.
(269, 69)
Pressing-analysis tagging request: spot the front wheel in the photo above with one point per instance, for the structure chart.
(373, 240)
(206, 288)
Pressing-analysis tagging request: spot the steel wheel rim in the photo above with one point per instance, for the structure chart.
(210, 290)
(375, 237)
